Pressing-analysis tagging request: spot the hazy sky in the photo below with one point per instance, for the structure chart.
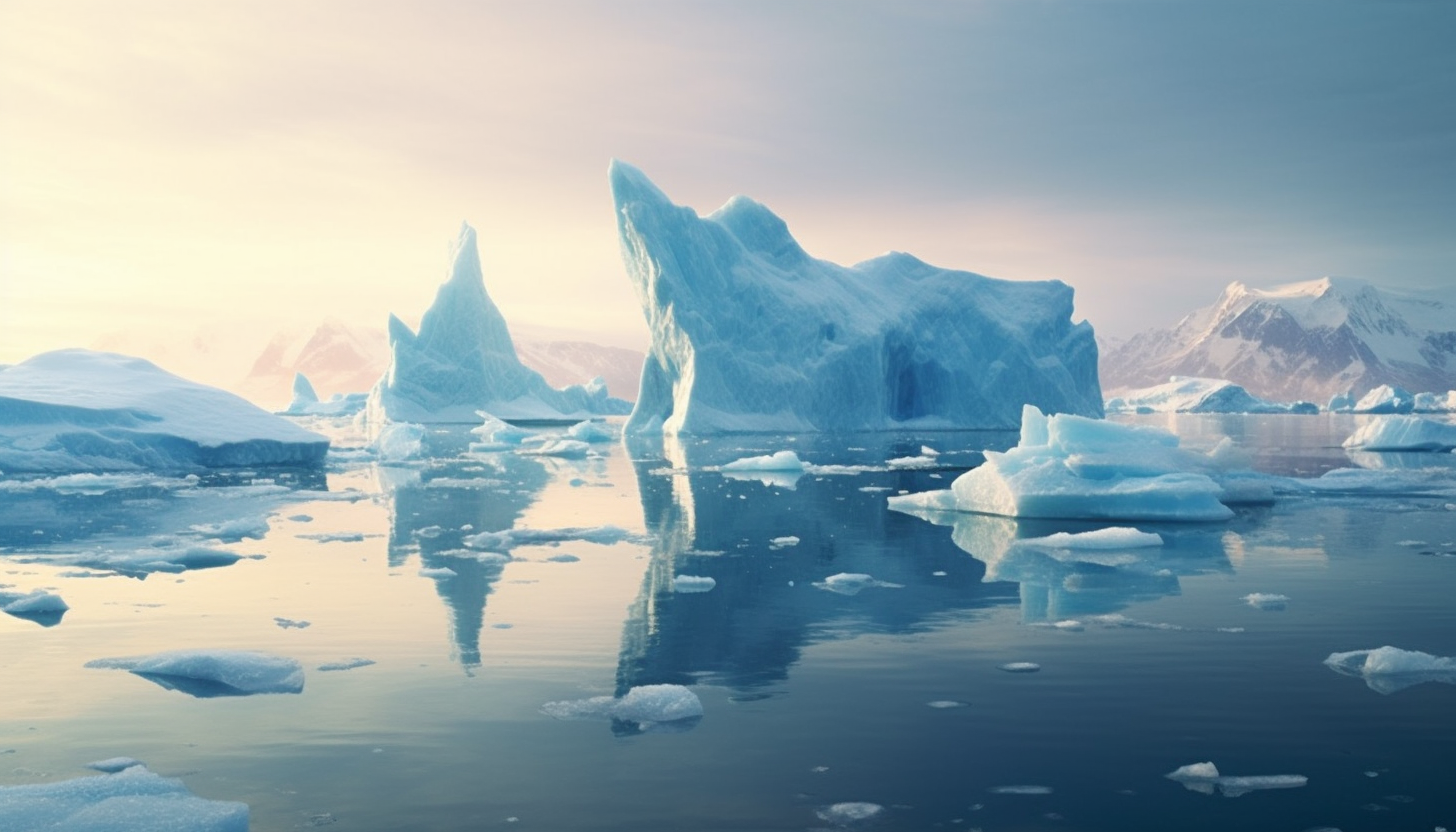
(242, 166)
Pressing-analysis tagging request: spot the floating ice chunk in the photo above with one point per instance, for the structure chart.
(692, 583)
(901, 463)
(462, 361)
(306, 401)
(942, 704)
(1121, 621)
(1019, 667)
(592, 431)
(1386, 399)
(646, 705)
(132, 800)
(1266, 600)
(346, 664)
(1203, 777)
(235, 530)
(1436, 402)
(1026, 790)
(1113, 537)
(776, 461)
(563, 559)
(852, 583)
(564, 448)
(1073, 467)
(495, 432)
(1390, 669)
(843, 814)
(750, 333)
(95, 484)
(36, 602)
(511, 538)
(783, 542)
(1185, 394)
(399, 442)
(112, 765)
(1403, 433)
(335, 537)
(438, 572)
(77, 410)
(290, 624)
(209, 673)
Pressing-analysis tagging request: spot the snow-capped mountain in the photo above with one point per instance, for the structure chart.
(1309, 340)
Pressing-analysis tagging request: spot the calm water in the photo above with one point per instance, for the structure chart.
(811, 697)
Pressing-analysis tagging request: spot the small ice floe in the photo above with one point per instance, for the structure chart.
(844, 814)
(943, 704)
(289, 623)
(335, 537)
(563, 559)
(1070, 625)
(112, 765)
(233, 531)
(852, 583)
(1113, 537)
(167, 559)
(783, 542)
(649, 707)
(1020, 790)
(1204, 778)
(1266, 600)
(1390, 669)
(497, 435)
(777, 461)
(429, 532)
(209, 673)
(131, 799)
(1019, 667)
(902, 463)
(1122, 621)
(563, 448)
(592, 432)
(346, 664)
(438, 572)
(692, 583)
(503, 541)
(875, 489)
(38, 605)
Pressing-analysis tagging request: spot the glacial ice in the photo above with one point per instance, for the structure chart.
(496, 435)
(776, 461)
(1436, 402)
(1386, 399)
(591, 431)
(1204, 777)
(77, 410)
(1067, 466)
(306, 401)
(1390, 669)
(1184, 394)
(749, 333)
(462, 361)
(131, 800)
(1403, 433)
(209, 673)
(1341, 402)
(646, 705)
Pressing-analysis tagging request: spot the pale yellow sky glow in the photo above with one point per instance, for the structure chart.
(238, 167)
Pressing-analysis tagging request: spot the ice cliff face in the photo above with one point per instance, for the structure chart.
(1308, 340)
(462, 361)
(750, 333)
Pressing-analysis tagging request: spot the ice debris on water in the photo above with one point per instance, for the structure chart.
(591, 431)
(289, 623)
(35, 602)
(1205, 777)
(1403, 433)
(1390, 669)
(1113, 537)
(438, 572)
(843, 814)
(1019, 667)
(399, 442)
(1266, 600)
(1024, 790)
(692, 583)
(209, 673)
(783, 542)
(777, 461)
(943, 704)
(564, 448)
(852, 583)
(112, 765)
(346, 664)
(132, 800)
(510, 538)
(648, 706)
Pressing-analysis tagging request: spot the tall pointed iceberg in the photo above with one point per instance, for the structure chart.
(462, 361)
(750, 333)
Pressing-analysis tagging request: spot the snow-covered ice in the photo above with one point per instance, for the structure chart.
(1068, 466)
(692, 583)
(399, 442)
(750, 333)
(1386, 399)
(1390, 669)
(77, 410)
(776, 461)
(132, 800)
(36, 601)
(1436, 402)
(646, 705)
(1184, 394)
(1403, 433)
(844, 814)
(591, 431)
(462, 361)
(209, 673)
(1204, 777)
(1266, 600)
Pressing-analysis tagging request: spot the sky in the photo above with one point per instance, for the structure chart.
(214, 170)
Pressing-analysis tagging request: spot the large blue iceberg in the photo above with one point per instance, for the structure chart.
(462, 361)
(749, 333)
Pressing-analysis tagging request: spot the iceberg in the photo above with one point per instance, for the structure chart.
(1386, 399)
(1183, 394)
(1341, 402)
(462, 361)
(648, 706)
(306, 401)
(1203, 777)
(42, 607)
(78, 410)
(751, 334)
(1390, 669)
(1436, 402)
(131, 800)
(209, 673)
(1072, 467)
(1403, 433)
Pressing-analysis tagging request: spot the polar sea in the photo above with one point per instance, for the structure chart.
(883, 703)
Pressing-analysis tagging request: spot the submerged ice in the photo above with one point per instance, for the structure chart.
(1390, 669)
(750, 333)
(462, 361)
